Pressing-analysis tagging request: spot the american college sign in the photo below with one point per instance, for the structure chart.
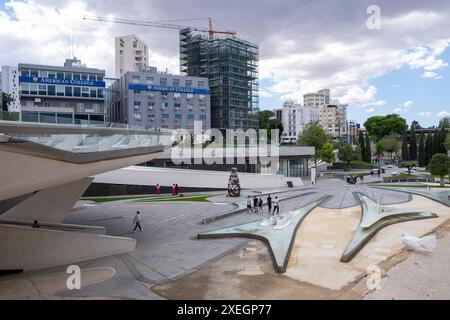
(85, 83)
(167, 89)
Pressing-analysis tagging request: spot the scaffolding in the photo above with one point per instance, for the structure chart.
(231, 66)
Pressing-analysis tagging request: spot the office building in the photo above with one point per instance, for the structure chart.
(153, 99)
(334, 120)
(10, 86)
(231, 65)
(352, 131)
(131, 54)
(318, 99)
(70, 94)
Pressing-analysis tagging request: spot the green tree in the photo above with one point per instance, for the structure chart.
(361, 143)
(442, 137)
(380, 148)
(405, 152)
(440, 166)
(413, 146)
(314, 136)
(5, 100)
(444, 123)
(447, 142)
(422, 156)
(346, 154)
(381, 126)
(409, 165)
(436, 142)
(328, 154)
(367, 150)
(415, 125)
(391, 145)
(429, 148)
(268, 121)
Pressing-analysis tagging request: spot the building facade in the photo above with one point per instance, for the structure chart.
(10, 86)
(71, 94)
(153, 99)
(131, 54)
(295, 118)
(334, 120)
(318, 99)
(231, 66)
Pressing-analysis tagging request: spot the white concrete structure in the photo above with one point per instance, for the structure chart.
(131, 54)
(45, 169)
(317, 99)
(295, 118)
(10, 85)
(192, 178)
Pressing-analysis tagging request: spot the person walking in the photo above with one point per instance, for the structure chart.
(173, 189)
(260, 205)
(249, 204)
(255, 204)
(276, 206)
(269, 203)
(158, 190)
(137, 222)
(177, 189)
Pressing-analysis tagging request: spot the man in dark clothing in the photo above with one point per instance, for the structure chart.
(269, 203)
(255, 204)
(137, 222)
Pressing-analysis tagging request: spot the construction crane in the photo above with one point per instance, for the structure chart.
(157, 24)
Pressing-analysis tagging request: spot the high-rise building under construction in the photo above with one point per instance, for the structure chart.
(231, 66)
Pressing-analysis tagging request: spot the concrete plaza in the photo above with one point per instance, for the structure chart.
(171, 263)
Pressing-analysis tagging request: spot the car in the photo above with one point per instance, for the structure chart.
(390, 166)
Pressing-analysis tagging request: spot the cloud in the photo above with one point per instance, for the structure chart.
(359, 96)
(407, 104)
(431, 74)
(398, 110)
(425, 114)
(370, 110)
(443, 114)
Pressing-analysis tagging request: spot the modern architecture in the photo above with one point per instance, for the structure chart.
(10, 86)
(295, 118)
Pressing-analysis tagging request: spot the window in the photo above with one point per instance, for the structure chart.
(201, 84)
(34, 73)
(188, 83)
(178, 116)
(25, 72)
(25, 88)
(137, 104)
(100, 93)
(149, 80)
(48, 117)
(76, 76)
(137, 91)
(84, 76)
(76, 91)
(85, 92)
(201, 97)
(93, 93)
(164, 105)
(190, 117)
(135, 79)
(189, 96)
(68, 91)
(33, 88)
(177, 95)
(43, 74)
(176, 82)
(163, 81)
(92, 77)
(100, 77)
(151, 104)
(202, 117)
(163, 95)
(42, 89)
(60, 91)
(137, 116)
(68, 76)
(151, 95)
(190, 107)
(165, 115)
(177, 106)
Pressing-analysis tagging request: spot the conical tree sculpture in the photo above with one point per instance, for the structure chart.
(413, 145)
(422, 155)
(234, 187)
(429, 148)
(405, 151)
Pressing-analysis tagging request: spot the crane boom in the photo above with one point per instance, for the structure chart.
(157, 24)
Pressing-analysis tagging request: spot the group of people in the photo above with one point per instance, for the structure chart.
(375, 172)
(256, 205)
(175, 189)
(353, 179)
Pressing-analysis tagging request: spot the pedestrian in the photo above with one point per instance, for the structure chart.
(173, 189)
(349, 179)
(255, 204)
(269, 203)
(158, 190)
(36, 224)
(260, 205)
(177, 189)
(249, 204)
(276, 206)
(137, 222)
(379, 173)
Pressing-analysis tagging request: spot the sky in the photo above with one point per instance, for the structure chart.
(396, 61)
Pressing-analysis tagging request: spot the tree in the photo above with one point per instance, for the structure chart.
(405, 152)
(380, 148)
(328, 154)
(422, 157)
(391, 145)
(440, 166)
(447, 142)
(409, 165)
(435, 142)
(444, 123)
(442, 137)
(346, 154)
(314, 136)
(415, 125)
(361, 143)
(367, 150)
(6, 99)
(268, 121)
(381, 126)
(429, 148)
(413, 146)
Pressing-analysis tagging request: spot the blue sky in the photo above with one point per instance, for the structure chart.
(402, 67)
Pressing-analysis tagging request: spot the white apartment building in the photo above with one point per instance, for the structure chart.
(295, 118)
(10, 85)
(318, 99)
(131, 54)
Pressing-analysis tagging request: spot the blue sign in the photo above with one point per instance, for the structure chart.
(85, 83)
(143, 87)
